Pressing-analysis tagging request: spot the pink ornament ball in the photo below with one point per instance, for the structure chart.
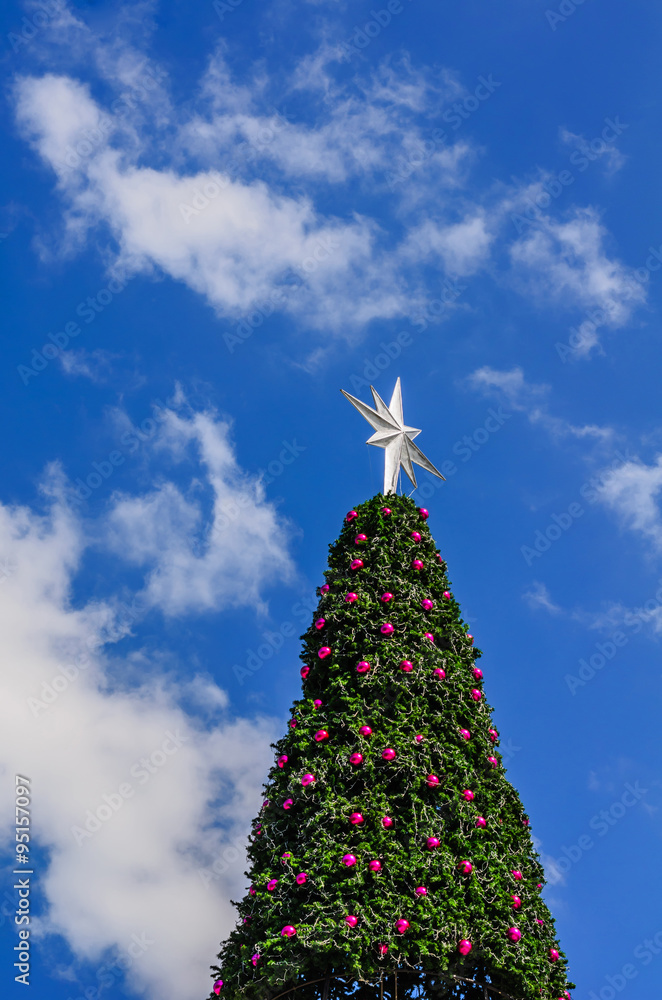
(325, 588)
(356, 759)
(251, 891)
(475, 694)
(383, 948)
(360, 538)
(439, 673)
(493, 761)
(362, 667)
(514, 933)
(427, 604)
(432, 780)
(352, 514)
(386, 511)
(447, 595)
(470, 638)
(525, 821)
(387, 822)
(386, 597)
(517, 875)
(424, 513)
(255, 959)
(288, 803)
(419, 738)
(464, 947)
(351, 920)
(285, 857)
(307, 779)
(553, 955)
(355, 819)
(539, 886)
(517, 902)
(406, 665)
(416, 535)
(465, 734)
(481, 822)
(389, 754)
(351, 597)
(218, 986)
(317, 703)
(420, 890)
(293, 723)
(265, 803)
(320, 623)
(324, 652)
(466, 867)
(417, 564)
(539, 921)
(282, 760)
(432, 843)
(477, 672)
(494, 736)
(320, 735)
(288, 931)
(429, 636)
(348, 860)
(468, 795)
(271, 885)
(402, 926)
(386, 628)
(375, 865)
(356, 564)
(365, 731)
(301, 878)
(304, 672)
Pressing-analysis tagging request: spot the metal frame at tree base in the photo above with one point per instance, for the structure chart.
(487, 988)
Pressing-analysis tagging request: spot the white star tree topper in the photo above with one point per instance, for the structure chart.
(393, 435)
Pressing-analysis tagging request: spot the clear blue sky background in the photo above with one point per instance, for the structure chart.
(229, 213)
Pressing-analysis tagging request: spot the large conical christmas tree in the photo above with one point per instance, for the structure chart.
(391, 853)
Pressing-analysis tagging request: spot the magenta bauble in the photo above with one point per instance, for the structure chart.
(307, 779)
(317, 703)
(386, 511)
(351, 920)
(383, 948)
(218, 986)
(464, 947)
(432, 842)
(465, 734)
(387, 822)
(417, 564)
(420, 890)
(356, 758)
(466, 867)
(351, 597)
(325, 588)
(539, 921)
(539, 886)
(356, 564)
(416, 535)
(352, 514)
(293, 723)
(320, 623)
(389, 754)
(255, 958)
(320, 735)
(470, 638)
(517, 902)
(288, 803)
(355, 819)
(475, 694)
(282, 760)
(493, 761)
(271, 885)
(301, 878)
(525, 821)
(265, 803)
(517, 875)
(304, 672)
(386, 597)
(285, 857)
(365, 731)
(424, 513)
(324, 652)
(375, 865)
(493, 735)
(477, 672)
(429, 636)
(447, 595)
(362, 667)
(514, 933)
(481, 822)
(402, 925)
(427, 604)
(360, 538)
(288, 931)
(553, 955)
(386, 628)
(439, 673)
(468, 795)
(419, 737)
(406, 665)
(432, 780)
(251, 891)
(348, 860)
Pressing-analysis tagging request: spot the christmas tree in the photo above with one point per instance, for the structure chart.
(391, 853)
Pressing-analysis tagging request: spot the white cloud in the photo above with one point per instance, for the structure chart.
(538, 596)
(82, 718)
(463, 247)
(632, 490)
(597, 149)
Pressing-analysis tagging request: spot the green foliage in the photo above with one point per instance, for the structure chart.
(316, 832)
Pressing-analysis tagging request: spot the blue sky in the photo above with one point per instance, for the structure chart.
(212, 218)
